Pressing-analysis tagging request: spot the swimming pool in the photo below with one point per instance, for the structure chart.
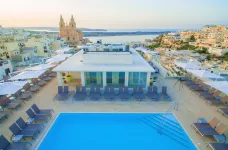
(116, 131)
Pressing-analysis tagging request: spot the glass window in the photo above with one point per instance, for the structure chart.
(93, 79)
(115, 78)
(137, 79)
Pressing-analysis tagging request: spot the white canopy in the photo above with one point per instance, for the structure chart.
(28, 75)
(40, 67)
(219, 85)
(62, 50)
(204, 74)
(58, 58)
(142, 49)
(11, 87)
(187, 65)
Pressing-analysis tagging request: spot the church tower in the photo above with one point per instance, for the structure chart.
(69, 31)
(62, 27)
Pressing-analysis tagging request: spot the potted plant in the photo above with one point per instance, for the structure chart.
(68, 78)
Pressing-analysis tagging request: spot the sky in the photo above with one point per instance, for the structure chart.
(115, 14)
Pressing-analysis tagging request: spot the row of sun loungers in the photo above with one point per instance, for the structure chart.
(16, 100)
(109, 93)
(214, 129)
(210, 95)
(24, 130)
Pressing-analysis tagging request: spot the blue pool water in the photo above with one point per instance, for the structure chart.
(116, 131)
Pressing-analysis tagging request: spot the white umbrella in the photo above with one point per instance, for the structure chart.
(64, 49)
(219, 85)
(40, 67)
(204, 74)
(58, 58)
(11, 87)
(27, 75)
(187, 65)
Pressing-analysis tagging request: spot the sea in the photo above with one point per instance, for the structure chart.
(111, 39)
(121, 39)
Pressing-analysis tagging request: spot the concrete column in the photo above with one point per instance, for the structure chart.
(60, 80)
(126, 78)
(82, 78)
(104, 79)
(148, 79)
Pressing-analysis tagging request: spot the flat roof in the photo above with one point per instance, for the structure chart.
(75, 64)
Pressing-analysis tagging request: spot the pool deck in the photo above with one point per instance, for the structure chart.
(190, 108)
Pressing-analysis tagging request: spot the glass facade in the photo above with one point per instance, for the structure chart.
(93, 79)
(137, 79)
(115, 78)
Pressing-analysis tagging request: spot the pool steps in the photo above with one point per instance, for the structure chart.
(168, 127)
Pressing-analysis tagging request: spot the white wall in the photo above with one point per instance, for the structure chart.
(107, 58)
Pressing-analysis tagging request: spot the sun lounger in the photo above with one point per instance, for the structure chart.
(62, 93)
(136, 93)
(154, 94)
(141, 94)
(3, 115)
(224, 111)
(52, 74)
(34, 88)
(223, 100)
(32, 115)
(106, 93)
(127, 96)
(80, 94)
(24, 126)
(212, 124)
(45, 77)
(41, 82)
(92, 93)
(97, 93)
(164, 92)
(218, 146)
(121, 94)
(26, 133)
(219, 130)
(6, 103)
(41, 111)
(6, 145)
(24, 96)
(112, 94)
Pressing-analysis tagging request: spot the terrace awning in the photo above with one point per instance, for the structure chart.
(11, 87)
(204, 74)
(58, 58)
(219, 85)
(62, 50)
(28, 75)
(187, 65)
(40, 67)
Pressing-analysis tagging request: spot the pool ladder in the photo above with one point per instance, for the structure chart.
(168, 128)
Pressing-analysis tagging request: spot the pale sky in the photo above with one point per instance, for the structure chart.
(115, 14)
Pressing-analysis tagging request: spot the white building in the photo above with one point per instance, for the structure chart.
(106, 68)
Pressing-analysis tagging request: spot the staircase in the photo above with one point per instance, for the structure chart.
(166, 126)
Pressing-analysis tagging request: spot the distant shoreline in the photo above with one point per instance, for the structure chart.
(101, 34)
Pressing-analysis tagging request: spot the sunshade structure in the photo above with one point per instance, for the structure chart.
(204, 74)
(62, 50)
(27, 75)
(11, 87)
(219, 85)
(58, 58)
(142, 49)
(40, 67)
(187, 65)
